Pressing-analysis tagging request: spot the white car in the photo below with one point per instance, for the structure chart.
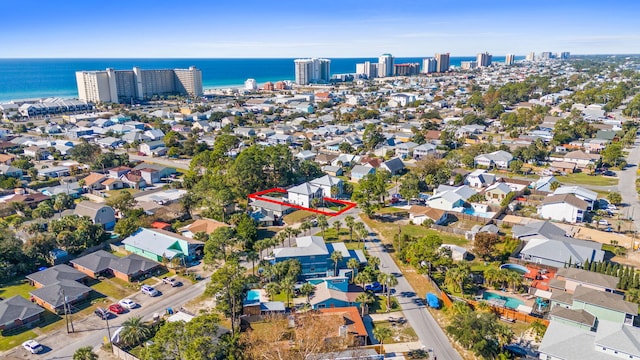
(128, 304)
(32, 346)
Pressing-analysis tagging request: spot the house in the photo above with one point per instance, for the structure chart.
(72, 189)
(244, 132)
(36, 153)
(360, 171)
(7, 159)
(153, 148)
(497, 192)
(405, 150)
(334, 292)
(582, 159)
(117, 172)
(205, 226)
(102, 263)
(499, 159)
(570, 278)
(110, 142)
(257, 302)
(565, 207)
(149, 175)
(306, 155)
(581, 193)
(453, 198)
(419, 214)
(133, 181)
(274, 209)
(57, 280)
(30, 200)
(157, 245)
(331, 186)
(100, 214)
(424, 150)
(10, 171)
(94, 181)
(17, 311)
(314, 256)
(480, 179)
(113, 184)
(165, 171)
(563, 166)
(458, 253)
(350, 323)
(333, 170)
(304, 194)
(394, 166)
(545, 183)
(477, 229)
(280, 139)
(547, 244)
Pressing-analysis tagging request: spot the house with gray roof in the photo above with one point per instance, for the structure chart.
(572, 277)
(394, 166)
(100, 214)
(328, 183)
(564, 207)
(581, 193)
(499, 159)
(102, 263)
(360, 171)
(55, 281)
(17, 311)
(304, 194)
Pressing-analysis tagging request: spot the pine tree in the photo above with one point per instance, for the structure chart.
(609, 269)
(586, 264)
(616, 270)
(594, 266)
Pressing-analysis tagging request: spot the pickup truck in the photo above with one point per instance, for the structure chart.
(171, 281)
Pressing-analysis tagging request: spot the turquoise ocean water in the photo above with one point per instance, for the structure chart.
(33, 78)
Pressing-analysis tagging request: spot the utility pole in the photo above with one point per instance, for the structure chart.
(106, 318)
(64, 306)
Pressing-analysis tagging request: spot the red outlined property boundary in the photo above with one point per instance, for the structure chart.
(259, 196)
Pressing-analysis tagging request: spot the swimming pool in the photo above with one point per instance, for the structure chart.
(253, 295)
(472, 212)
(511, 303)
(515, 267)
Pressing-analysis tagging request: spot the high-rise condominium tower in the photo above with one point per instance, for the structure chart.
(429, 65)
(132, 85)
(484, 59)
(308, 71)
(509, 59)
(385, 65)
(443, 62)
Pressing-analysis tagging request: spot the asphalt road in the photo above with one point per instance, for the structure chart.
(90, 330)
(627, 185)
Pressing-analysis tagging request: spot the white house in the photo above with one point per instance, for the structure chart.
(420, 214)
(480, 178)
(581, 193)
(449, 200)
(424, 150)
(304, 194)
(566, 207)
(326, 183)
(499, 159)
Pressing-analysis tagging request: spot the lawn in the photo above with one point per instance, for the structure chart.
(116, 192)
(298, 216)
(112, 289)
(11, 341)
(400, 332)
(16, 286)
(390, 210)
(380, 306)
(585, 179)
(388, 230)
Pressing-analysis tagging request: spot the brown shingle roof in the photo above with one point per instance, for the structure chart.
(206, 226)
(93, 178)
(566, 198)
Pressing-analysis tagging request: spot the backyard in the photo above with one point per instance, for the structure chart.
(585, 179)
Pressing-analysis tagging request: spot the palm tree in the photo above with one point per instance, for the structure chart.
(272, 289)
(134, 331)
(322, 223)
(538, 329)
(337, 225)
(362, 232)
(307, 289)
(454, 279)
(381, 333)
(365, 298)
(336, 256)
(288, 232)
(363, 278)
(374, 262)
(389, 281)
(287, 285)
(253, 257)
(491, 276)
(350, 222)
(353, 264)
(305, 226)
(296, 232)
(85, 353)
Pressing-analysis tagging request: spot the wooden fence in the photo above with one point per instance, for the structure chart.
(449, 229)
(446, 300)
(510, 314)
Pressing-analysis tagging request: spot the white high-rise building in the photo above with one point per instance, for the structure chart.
(367, 69)
(429, 65)
(509, 59)
(309, 71)
(484, 59)
(531, 56)
(251, 85)
(468, 65)
(385, 65)
(126, 86)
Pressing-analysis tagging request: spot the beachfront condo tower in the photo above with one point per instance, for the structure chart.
(310, 71)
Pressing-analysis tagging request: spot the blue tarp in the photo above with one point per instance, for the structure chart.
(433, 301)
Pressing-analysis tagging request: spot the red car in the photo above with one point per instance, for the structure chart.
(116, 308)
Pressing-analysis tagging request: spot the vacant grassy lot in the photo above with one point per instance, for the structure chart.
(16, 286)
(388, 230)
(399, 332)
(584, 179)
(298, 216)
(11, 341)
(112, 289)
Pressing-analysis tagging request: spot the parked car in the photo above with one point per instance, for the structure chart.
(609, 173)
(603, 222)
(612, 207)
(171, 281)
(117, 309)
(128, 303)
(103, 314)
(32, 346)
(149, 290)
(375, 287)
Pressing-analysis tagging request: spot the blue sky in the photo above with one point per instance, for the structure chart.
(284, 28)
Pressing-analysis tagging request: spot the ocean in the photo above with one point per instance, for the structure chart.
(39, 78)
